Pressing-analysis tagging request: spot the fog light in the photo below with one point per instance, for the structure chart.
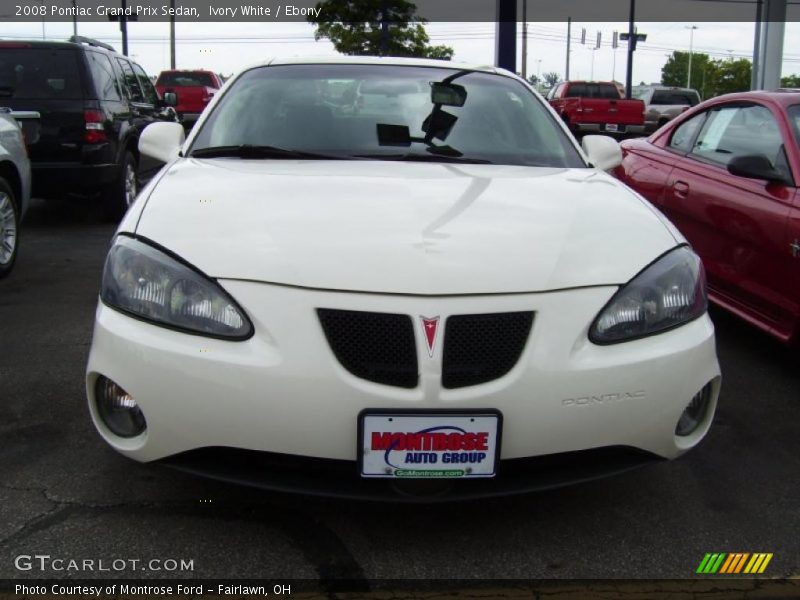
(695, 412)
(118, 409)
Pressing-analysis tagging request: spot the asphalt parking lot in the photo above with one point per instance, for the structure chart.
(64, 493)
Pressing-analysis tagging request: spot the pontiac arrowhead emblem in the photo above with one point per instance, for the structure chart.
(431, 328)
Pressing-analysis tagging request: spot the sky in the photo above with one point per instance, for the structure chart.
(228, 47)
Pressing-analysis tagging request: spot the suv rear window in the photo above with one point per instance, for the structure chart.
(674, 98)
(40, 73)
(189, 79)
(606, 91)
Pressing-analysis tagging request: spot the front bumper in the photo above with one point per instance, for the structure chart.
(340, 479)
(283, 391)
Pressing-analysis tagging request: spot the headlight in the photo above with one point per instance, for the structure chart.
(147, 283)
(668, 293)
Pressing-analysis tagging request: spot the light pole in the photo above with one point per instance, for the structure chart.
(44, 35)
(525, 39)
(691, 29)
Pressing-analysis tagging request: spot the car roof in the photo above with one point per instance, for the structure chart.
(379, 60)
(52, 44)
(784, 97)
(186, 71)
(665, 87)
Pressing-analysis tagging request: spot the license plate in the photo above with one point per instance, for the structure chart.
(612, 127)
(425, 445)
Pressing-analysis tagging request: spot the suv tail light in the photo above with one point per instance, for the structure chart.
(95, 130)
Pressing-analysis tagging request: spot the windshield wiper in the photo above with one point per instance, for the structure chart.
(411, 157)
(251, 151)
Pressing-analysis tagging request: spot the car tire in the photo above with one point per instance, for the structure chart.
(123, 191)
(9, 228)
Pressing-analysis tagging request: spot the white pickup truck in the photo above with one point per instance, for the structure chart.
(15, 180)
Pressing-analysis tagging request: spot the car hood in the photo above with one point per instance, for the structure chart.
(401, 227)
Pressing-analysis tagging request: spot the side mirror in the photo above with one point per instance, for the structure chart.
(756, 166)
(170, 99)
(603, 152)
(162, 141)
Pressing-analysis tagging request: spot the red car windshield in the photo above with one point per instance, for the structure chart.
(186, 79)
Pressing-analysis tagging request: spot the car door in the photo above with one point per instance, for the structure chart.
(142, 110)
(792, 242)
(111, 98)
(646, 167)
(738, 224)
(151, 112)
(793, 246)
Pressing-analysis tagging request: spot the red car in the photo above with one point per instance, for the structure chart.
(193, 88)
(726, 174)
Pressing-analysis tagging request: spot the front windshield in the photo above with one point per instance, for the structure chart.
(386, 112)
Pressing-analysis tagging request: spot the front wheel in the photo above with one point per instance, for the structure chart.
(123, 191)
(9, 228)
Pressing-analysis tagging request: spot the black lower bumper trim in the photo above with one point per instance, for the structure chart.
(340, 478)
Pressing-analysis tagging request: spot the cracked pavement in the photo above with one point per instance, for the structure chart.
(64, 493)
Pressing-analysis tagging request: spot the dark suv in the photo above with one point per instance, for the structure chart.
(93, 103)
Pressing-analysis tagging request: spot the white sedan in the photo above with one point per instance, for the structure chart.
(364, 277)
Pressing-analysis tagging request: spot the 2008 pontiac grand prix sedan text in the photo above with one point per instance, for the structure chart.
(366, 276)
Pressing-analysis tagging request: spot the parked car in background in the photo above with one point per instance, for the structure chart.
(597, 107)
(93, 103)
(440, 295)
(15, 185)
(194, 90)
(664, 103)
(726, 173)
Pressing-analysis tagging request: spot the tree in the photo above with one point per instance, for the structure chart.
(676, 69)
(791, 81)
(375, 27)
(551, 78)
(534, 80)
(732, 76)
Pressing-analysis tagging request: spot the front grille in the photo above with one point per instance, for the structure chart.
(481, 348)
(377, 347)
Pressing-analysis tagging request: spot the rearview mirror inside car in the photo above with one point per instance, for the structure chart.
(448, 94)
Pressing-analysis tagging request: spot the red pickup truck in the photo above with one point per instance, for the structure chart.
(597, 107)
(193, 88)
